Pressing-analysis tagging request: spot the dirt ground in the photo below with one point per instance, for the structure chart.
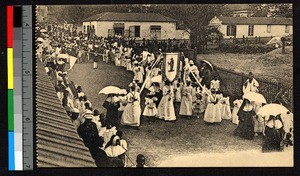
(160, 140)
(272, 66)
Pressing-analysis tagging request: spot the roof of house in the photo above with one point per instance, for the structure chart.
(138, 17)
(256, 20)
(58, 144)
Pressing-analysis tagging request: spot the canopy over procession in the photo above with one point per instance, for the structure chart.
(164, 79)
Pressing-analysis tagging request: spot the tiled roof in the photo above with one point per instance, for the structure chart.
(137, 17)
(256, 20)
(58, 144)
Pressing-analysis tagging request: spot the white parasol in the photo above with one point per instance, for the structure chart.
(256, 97)
(111, 90)
(272, 109)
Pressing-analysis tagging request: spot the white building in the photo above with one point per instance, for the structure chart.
(253, 26)
(136, 25)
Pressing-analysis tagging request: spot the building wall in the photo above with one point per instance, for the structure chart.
(259, 31)
(168, 29)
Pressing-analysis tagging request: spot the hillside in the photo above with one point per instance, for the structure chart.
(272, 66)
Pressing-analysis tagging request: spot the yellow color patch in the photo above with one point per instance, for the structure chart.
(10, 68)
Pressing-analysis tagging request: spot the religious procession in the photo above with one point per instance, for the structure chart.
(165, 86)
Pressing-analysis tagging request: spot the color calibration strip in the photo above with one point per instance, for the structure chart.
(14, 64)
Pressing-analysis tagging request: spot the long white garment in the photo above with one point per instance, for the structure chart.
(166, 109)
(132, 111)
(213, 111)
(150, 108)
(236, 106)
(226, 111)
(186, 105)
(250, 87)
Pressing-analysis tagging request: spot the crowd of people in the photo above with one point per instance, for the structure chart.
(197, 91)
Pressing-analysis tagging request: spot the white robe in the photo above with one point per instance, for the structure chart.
(250, 87)
(132, 111)
(166, 109)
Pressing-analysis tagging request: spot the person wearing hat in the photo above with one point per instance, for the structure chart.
(88, 131)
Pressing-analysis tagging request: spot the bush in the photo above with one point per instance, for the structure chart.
(245, 48)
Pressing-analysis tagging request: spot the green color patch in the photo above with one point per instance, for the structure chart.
(10, 110)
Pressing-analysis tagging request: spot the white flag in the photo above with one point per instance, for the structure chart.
(72, 61)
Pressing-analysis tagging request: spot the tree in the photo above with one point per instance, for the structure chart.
(272, 10)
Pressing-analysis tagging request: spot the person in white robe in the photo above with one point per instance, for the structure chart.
(132, 111)
(140, 74)
(186, 105)
(251, 85)
(225, 110)
(236, 106)
(150, 108)
(213, 112)
(166, 109)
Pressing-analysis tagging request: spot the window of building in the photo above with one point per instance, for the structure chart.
(137, 31)
(268, 28)
(155, 32)
(231, 30)
(250, 30)
(84, 29)
(287, 29)
(93, 27)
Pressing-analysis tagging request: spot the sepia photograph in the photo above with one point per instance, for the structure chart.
(164, 85)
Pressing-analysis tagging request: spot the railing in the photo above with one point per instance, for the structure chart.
(232, 83)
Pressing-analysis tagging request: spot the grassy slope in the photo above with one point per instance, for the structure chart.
(269, 66)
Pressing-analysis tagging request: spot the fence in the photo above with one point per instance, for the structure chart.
(272, 91)
(249, 40)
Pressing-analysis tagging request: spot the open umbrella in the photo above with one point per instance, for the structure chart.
(208, 63)
(256, 97)
(111, 90)
(272, 109)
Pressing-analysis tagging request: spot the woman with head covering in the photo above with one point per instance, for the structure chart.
(245, 128)
(274, 134)
(166, 109)
(112, 105)
(115, 152)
